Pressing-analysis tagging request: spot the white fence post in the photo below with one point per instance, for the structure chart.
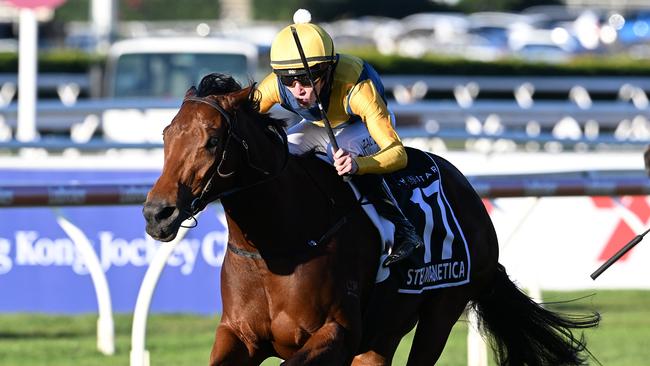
(27, 73)
(476, 347)
(139, 355)
(105, 327)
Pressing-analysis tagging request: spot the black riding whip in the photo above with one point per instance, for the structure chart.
(326, 121)
(328, 125)
(637, 239)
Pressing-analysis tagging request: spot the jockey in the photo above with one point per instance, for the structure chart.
(353, 97)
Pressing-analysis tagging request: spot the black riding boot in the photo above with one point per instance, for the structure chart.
(374, 188)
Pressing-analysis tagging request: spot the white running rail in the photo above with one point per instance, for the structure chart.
(105, 327)
(139, 355)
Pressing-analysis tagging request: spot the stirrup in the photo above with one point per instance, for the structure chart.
(402, 252)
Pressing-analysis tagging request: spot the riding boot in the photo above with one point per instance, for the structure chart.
(374, 188)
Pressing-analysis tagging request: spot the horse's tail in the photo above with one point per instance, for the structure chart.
(524, 333)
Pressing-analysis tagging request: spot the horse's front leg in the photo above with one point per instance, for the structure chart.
(332, 344)
(230, 349)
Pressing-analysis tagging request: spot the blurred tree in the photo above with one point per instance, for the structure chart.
(471, 6)
(168, 10)
(276, 10)
(144, 10)
(73, 10)
(322, 10)
(327, 10)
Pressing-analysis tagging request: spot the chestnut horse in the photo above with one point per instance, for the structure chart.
(298, 278)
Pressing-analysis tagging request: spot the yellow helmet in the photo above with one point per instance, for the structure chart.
(316, 43)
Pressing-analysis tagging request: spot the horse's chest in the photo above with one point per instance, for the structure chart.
(298, 311)
(295, 300)
(290, 331)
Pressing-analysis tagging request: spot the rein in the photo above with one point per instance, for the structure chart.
(231, 123)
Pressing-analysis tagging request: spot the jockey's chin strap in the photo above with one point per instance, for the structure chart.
(232, 123)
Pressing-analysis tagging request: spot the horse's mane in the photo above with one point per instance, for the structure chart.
(220, 84)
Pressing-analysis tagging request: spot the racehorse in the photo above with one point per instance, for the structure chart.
(298, 278)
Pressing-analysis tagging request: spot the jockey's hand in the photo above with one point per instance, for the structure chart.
(344, 163)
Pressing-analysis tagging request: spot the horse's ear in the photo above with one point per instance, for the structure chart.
(251, 91)
(191, 92)
(235, 99)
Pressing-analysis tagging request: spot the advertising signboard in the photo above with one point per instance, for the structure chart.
(42, 271)
(549, 243)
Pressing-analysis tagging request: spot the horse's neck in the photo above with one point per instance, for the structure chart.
(298, 205)
(273, 201)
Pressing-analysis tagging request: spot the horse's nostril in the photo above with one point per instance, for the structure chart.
(165, 213)
(156, 212)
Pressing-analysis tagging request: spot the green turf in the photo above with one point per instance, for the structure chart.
(623, 339)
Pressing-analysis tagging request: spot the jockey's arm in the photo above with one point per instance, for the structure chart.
(366, 102)
(270, 95)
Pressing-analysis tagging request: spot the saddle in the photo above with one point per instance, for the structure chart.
(445, 261)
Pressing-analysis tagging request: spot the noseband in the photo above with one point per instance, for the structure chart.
(231, 122)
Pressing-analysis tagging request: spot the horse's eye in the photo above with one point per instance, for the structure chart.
(212, 142)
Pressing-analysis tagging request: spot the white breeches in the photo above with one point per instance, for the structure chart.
(354, 138)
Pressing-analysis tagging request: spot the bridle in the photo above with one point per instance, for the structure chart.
(231, 123)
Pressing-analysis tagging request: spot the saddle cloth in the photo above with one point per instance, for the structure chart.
(445, 260)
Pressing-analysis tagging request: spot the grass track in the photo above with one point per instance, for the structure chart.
(623, 339)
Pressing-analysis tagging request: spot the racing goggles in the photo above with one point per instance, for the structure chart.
(290, 76)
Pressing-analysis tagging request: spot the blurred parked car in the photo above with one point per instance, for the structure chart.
(430, 32)
(166, 67)
(357, 32)
(552, 46)
(8, 45)
(8, 39)
(491, 31)
(636, 28)
(582, 25)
